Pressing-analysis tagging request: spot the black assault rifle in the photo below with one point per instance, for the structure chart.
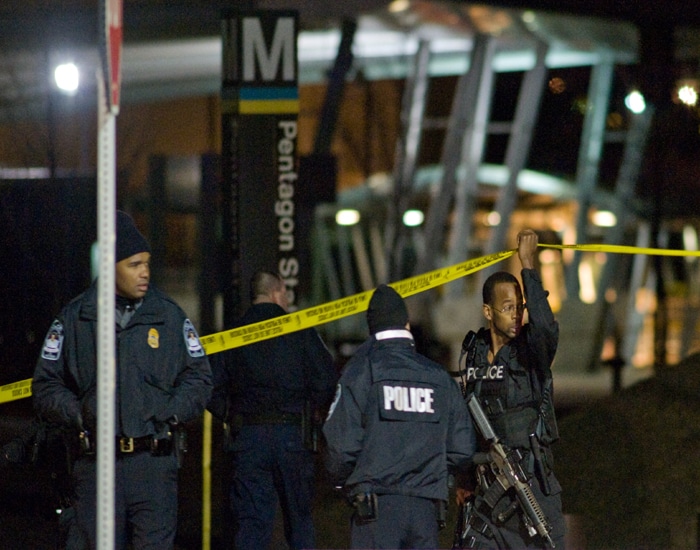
(509, 475)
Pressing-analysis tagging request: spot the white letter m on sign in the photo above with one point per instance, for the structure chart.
(282, 50)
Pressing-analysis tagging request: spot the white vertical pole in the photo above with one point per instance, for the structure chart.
(106, 209)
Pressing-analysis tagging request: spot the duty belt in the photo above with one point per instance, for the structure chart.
(271, 418)
(131, 445)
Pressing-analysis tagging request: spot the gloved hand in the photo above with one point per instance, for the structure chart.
(89, 418)
(75, 417)
(462, 495)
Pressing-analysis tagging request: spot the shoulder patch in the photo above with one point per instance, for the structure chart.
(194, 346)
(53, 342)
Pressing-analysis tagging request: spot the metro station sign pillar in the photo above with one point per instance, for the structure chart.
(260, 107)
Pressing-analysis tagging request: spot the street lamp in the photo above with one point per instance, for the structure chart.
(67, 78)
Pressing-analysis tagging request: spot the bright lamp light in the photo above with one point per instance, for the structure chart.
(347, 216)
(67, 77)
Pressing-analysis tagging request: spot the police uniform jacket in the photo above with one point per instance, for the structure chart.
(275, 376)
(397, 423)
(162, 372)
(515, 389)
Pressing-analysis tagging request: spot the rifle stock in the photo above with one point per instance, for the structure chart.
(509, 474)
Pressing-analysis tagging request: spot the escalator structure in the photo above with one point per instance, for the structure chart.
(475, 206)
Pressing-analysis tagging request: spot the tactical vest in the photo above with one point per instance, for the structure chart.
(511, 394)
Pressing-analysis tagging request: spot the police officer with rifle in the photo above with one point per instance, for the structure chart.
(512, 499)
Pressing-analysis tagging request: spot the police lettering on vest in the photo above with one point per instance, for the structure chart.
(492, 372)
(408, 399)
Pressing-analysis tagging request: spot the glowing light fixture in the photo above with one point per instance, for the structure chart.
(635, 102)
(688, 95)
(493, 219)
(413, 218)
(347, 216)
(399, 5)
(604, 218)
(67, 78)
(587, 290)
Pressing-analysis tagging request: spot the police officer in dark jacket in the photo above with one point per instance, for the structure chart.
(508, 369)
(271, 393)
(163, 379)
(396, 425)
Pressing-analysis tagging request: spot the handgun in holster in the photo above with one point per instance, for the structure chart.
(365, 505)
(179, 440)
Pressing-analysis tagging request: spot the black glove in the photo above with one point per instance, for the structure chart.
(88, 418)
(75, 417)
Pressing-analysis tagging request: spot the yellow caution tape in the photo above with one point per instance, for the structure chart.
(621, 249)
(344, 307)
(357, 303)
(16, 390)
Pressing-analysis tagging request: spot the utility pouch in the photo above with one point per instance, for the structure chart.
(178, 441)
(365, 505)
(550, 434)
(163, 447)
(87, 446)
(441, 514)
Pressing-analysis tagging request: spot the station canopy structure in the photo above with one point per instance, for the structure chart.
(176, 52)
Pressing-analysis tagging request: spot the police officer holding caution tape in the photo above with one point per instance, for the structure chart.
(396, 425)
(163, 379)
(507, 367)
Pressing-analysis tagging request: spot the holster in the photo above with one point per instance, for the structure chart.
(441, 509)
(365, 505)
(179, 440)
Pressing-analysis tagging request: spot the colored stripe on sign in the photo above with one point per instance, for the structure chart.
(268, 100)
(263, 107)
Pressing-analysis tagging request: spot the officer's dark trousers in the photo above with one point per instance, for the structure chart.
(145, 500)
(402, 522)
(270, 462)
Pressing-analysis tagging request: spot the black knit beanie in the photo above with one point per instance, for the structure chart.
(129, 240)
(386, 310)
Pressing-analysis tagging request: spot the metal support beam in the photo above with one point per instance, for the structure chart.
(407, 149)
(471, 158)
(519, 143)
(624, 199)
(334, 90)
(641, 276)
(461, 118)
(590, 153)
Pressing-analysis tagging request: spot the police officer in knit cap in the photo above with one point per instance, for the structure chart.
(163, 379)
(130, 241)
(397, 426)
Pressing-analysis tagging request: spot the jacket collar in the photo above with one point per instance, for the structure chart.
(393, 333)
(88, 308)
